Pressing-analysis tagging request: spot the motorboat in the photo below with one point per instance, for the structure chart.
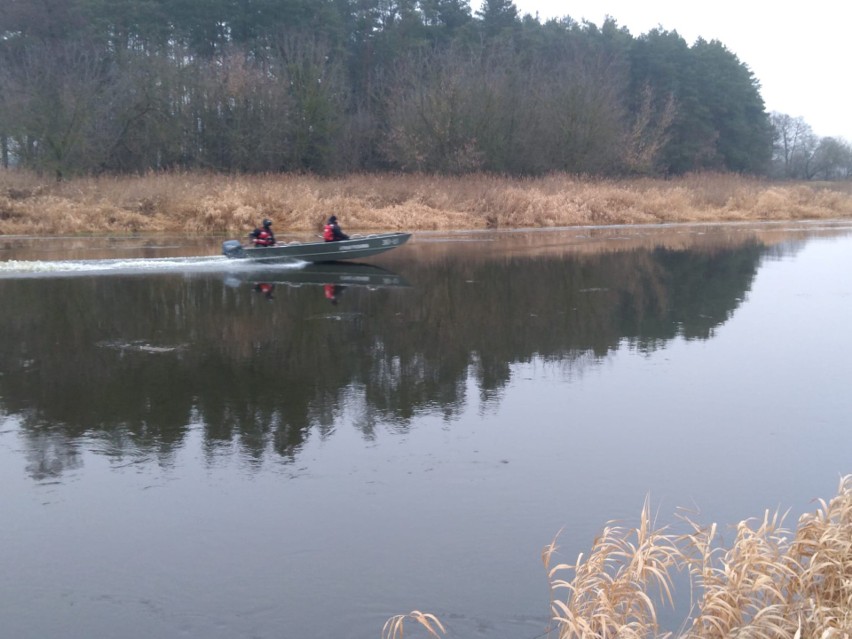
(356, 247)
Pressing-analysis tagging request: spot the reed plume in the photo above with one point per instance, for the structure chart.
(608, 595)
(770, 583)
(395, 626)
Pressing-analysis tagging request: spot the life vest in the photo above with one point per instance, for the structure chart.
(263, 239)
(328, 233)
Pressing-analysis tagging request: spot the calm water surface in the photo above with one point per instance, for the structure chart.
(191, 447)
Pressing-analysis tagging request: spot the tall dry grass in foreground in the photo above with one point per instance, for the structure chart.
(768, 583)
(210, 203)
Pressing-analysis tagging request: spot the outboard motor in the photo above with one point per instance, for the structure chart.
(232, 248)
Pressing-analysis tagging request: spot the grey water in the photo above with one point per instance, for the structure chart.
(193, 447)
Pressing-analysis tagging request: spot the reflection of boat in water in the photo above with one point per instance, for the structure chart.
(333, 273)
(356, 247)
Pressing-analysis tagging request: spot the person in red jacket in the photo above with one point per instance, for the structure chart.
(263, 236)
(331, 231)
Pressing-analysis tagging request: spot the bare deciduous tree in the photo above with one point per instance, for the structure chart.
(648, 133)
(832, 160)
(432, 118)
(59, 99)
(794, 146)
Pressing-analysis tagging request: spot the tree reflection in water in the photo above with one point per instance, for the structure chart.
(135, 362)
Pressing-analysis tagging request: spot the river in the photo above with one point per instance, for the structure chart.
(193, 447)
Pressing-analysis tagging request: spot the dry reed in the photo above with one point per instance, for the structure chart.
(219, 204)
(395, 626)
(770, 583)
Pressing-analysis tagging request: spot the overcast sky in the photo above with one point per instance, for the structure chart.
(800, 54)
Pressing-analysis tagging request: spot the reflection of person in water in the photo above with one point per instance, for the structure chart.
(332, 232)
(265, 288)
(333, 292)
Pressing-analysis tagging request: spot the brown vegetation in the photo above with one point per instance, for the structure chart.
(770, 583)
(214, 204)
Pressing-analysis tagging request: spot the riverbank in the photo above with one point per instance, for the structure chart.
(211, 204)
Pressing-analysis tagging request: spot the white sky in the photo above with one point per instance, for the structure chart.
(800, 54)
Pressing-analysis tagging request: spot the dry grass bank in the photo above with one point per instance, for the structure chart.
(210, 204)
(768, 582)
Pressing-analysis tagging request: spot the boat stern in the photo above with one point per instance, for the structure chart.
(233, 248)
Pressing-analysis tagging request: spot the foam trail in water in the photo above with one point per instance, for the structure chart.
(26, 268)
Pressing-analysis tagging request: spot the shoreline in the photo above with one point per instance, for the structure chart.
(202, 203)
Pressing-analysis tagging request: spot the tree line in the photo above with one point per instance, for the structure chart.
(331, 86)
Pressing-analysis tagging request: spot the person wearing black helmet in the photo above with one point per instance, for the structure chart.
(331, 231)
(263, 236)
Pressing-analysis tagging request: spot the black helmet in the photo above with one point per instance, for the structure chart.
(267, 222)
(332, 219)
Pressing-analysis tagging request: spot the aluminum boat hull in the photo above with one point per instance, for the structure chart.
(352, 249)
